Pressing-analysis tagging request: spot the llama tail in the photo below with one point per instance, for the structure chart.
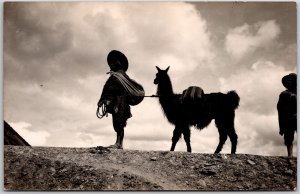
(233, 99)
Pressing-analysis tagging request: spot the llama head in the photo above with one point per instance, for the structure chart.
(161, 75)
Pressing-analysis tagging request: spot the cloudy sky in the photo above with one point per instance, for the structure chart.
(55, 68)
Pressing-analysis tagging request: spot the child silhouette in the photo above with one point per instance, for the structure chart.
(287, 111)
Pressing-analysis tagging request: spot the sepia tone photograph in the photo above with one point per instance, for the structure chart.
(150, 96)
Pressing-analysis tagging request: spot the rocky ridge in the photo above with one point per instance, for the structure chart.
(102, 169)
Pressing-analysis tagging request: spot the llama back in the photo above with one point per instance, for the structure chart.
(213, 103)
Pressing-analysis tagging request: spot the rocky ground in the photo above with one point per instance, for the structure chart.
(95, 169)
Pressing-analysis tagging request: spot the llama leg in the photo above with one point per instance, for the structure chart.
(233, 138)
(228, 123)
(187, 138)
(222, 134)
(175, 138)
(222, 140)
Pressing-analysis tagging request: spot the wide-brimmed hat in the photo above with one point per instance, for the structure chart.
(114, 54)
(290, 80)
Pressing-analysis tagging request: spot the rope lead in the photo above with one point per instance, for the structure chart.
(101, 110)
(101, 113)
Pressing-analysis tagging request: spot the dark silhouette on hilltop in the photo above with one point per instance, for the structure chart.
(199, 113)
(287, 111)
(119, 92)
(11, 137)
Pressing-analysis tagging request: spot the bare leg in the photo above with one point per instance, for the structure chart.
(288, 141)
(119, 129)
(290, 150)
(121, 137)
(175, 138)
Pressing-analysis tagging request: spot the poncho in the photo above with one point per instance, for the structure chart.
(120, 91)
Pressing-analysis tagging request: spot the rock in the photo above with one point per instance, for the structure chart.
(153, 158)
(99, 150)
(235, 161)
(201, 183)
(24, 173)
(52, 170)
(248, 185)
(208, 171)
(263, 186)
(208, 164)
(63, 170)
(93, 152)
(289, 172)
(164, 153)
(251, 162)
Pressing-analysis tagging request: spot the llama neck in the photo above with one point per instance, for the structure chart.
(167, 99)
(165, 88)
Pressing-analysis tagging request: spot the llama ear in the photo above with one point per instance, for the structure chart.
(167, 69)
(158, 69)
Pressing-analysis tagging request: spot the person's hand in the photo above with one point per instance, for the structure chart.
(107, 102)
(280, 132)
(100, 103)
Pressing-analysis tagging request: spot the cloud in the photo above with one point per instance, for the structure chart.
(73, 40)
(287, 57)
(259, 134)
(258, 87)
(245, 39)
(55, 55)
(55, 40)
(34, 138)
(257, 118)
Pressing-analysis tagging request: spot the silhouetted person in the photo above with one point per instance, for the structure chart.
(287, 111)
(115, 95)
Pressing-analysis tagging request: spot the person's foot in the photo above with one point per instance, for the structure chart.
(115, 146)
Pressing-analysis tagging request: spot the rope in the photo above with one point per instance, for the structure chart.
(153, 96)
(101, 110)
(131, 89)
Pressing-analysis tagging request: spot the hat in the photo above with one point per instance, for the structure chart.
(290, 80)
(114, 54)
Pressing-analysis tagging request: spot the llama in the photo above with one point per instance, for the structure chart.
(218, 106)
